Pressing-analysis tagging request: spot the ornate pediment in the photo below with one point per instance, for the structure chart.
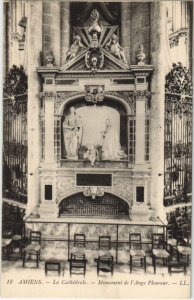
(95, 47)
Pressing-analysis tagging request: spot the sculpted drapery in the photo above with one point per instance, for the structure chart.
(73, 132)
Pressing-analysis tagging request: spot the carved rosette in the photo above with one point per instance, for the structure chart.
(94, 93)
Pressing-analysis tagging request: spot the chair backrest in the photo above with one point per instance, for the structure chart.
(135, 241)
(158, 241)
(79, 240)
(104, 242)
(35, 236)
(170, 231)
(7, 230)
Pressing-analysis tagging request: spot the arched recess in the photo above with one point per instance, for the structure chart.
(112, 107)
(108, 205)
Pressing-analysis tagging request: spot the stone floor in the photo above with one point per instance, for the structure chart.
(33, 280)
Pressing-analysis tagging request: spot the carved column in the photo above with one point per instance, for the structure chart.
(51, 29)
(140, 128)
(158, 40)
(65, 28)
(34, 147)
(125, 28)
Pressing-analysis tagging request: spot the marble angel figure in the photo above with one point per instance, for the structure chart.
(111, 148)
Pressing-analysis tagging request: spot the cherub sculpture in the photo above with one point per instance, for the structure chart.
(91, 154)
(75, 47)
(113, 47)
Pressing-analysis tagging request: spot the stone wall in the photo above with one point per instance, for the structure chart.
(140, 30)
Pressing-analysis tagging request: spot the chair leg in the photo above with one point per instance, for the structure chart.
(154, 264)
(188, 260)
(169, 269)
(145, 264)
(97, 268)
(112, 270)
(185, 270)
(24, 258)
(37, 259)
(141, 262)
(178, 258)
(131, 263)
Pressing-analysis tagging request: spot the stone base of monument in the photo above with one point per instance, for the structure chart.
(140, 212)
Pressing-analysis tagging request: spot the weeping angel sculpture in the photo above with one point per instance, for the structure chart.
(111, 148)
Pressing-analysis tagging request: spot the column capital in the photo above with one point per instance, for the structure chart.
(47, 95)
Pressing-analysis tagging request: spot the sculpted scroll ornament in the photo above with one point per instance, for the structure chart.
(94, 93)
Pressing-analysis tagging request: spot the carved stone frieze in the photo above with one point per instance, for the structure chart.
(121, 188)
(174, 38)
(142, 94)
(48, 95)
(62, 96)
(127, 96)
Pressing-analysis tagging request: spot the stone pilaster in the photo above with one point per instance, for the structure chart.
(49, 127)
(51, 29)
(140, 128)
(125, 28)
(34, 86)
(158, 40)
(65, 27)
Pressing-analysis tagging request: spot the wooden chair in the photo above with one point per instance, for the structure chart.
(136, 252)
(183, 247)
(171, 240)
(7, 239)
(159, 249)
(77, 261)
(18, 236)
(33, 249)
(105, 260)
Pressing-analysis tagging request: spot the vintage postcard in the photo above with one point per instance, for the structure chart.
(97, 149)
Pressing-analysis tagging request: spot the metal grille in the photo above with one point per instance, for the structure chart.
(178, 137)
(79, 205)
(15, 136)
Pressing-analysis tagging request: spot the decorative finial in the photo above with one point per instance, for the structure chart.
(50, 59)
(95, 27)
(140, 55)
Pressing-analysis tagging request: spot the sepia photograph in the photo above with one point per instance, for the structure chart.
(96, 149)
